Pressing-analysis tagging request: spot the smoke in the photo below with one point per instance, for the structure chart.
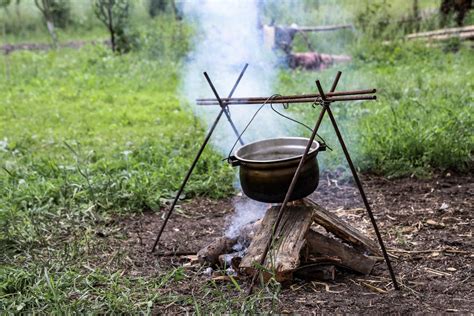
(246, 211)
(228, 35)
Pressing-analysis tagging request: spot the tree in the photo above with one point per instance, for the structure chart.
(459, 7)
(115, 15)
(156, 7)
(46, 8)
(4, 4)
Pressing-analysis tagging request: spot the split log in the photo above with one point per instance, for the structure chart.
(284, 257)
(322, 28)
(348, 257)
(341, 229)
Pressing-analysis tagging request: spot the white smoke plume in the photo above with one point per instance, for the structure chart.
(228, 35)
(246, 211)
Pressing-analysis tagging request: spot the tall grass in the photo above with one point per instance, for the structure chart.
(422, 121)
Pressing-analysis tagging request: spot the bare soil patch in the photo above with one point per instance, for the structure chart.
(427, 224)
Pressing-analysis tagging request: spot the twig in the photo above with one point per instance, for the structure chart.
(373, 288)
(176, 253)
(437, 272)
(430, 251)
(326, 287)
(7, 171)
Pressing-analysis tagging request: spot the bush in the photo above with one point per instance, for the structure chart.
(61, 13)
(115, 14)
(56, 11)
(155, 7)
(165, 39)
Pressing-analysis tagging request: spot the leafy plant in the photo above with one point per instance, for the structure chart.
(54, 12)
(156, 7)
(115, 15)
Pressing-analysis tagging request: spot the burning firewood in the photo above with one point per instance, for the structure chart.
(298, 250)
(225, 245)
(284, 257)
(349, 257)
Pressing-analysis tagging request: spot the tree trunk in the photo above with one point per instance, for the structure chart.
(52, 32)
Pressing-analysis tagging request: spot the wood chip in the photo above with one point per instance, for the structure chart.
(326, 286)
(437, 272)
(435, 224)
(373, 288)
(223, 278)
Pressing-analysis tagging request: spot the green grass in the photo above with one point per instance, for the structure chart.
(100, 125)
(87, 136)
(422, 121)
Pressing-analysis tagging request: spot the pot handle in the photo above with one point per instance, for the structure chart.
(322, 147)
(234, 162)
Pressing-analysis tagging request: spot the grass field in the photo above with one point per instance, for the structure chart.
(86, 135)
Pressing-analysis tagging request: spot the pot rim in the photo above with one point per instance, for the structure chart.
(313, 151)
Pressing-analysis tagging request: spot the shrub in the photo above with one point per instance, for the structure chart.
(115, 14)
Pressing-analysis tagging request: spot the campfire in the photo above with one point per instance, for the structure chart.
(300, 250)
(296, 238)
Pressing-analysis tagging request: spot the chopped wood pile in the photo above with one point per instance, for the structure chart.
(300, 248)
(463, 33)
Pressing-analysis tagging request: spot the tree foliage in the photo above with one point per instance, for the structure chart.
(55, 11)
(155, 7)
(115, 15)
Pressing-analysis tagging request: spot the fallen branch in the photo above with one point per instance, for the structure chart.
(176, 253)
(430, 251)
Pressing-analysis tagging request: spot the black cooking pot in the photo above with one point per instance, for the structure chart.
(268, 166)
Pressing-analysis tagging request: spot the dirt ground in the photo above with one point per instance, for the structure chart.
(427, 224)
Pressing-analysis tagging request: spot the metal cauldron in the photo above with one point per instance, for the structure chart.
(267, 168)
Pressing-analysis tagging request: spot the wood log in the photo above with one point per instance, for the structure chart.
(454, 30)
(341, 229)
(210, 253)
(461, 36)
(284, 256)
(347, 257)
(223, 245)
(230, 260)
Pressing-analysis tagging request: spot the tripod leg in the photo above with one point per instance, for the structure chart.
(362, 194)
(198, 155)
